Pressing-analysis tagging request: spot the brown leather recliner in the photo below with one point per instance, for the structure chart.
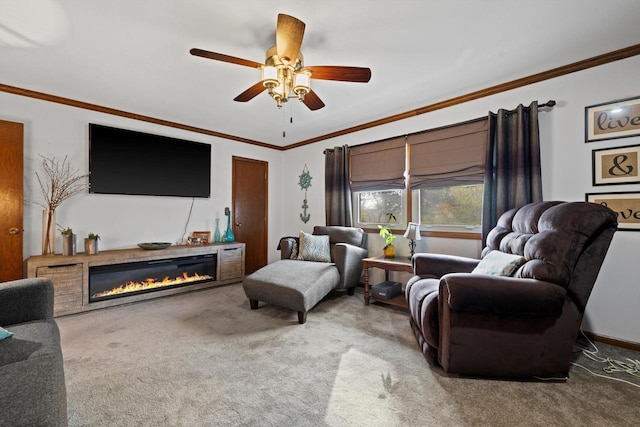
(517, 326)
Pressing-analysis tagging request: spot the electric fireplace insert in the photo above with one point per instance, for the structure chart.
(126, 279)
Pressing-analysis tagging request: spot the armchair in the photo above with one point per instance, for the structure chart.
(522, 325)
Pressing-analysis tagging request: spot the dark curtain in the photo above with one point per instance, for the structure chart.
(512, 174)
(337, 189)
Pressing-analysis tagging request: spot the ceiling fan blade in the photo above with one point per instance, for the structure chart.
(313, 101)
(343, 74)
(289, 35)
(225, 58)
(250, 93)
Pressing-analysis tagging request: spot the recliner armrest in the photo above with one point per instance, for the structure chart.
(437, 265)
(348, 259)
(478, 293)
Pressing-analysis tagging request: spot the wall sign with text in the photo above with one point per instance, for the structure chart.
(614, 119)
(626, 205)
(620, 165)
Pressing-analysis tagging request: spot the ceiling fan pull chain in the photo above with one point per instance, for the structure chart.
(284, 119)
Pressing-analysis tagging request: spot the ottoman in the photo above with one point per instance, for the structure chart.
(293, 284)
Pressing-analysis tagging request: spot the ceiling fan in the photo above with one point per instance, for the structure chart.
(284, 75)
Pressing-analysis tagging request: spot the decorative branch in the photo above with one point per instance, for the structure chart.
(59, 182)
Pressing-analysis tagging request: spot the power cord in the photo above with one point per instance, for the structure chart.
(631, 367)
(193, 199)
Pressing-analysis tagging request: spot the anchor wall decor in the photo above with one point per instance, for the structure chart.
(305, 182)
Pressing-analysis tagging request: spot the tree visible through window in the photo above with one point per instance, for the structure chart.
(374, 207)
(451, 206)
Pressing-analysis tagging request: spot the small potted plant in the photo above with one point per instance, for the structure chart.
(91, 244)
(389, 237)
(68, 241)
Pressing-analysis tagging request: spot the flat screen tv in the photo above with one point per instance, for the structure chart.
(129, 162)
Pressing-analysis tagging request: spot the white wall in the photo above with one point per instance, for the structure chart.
(123, 221)
(566, 169)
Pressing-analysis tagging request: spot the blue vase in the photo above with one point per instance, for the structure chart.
(216, 235)
(228, 235)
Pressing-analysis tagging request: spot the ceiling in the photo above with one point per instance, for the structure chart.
(133, 55)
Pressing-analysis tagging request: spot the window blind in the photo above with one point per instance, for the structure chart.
(379, 165)
(453, 155)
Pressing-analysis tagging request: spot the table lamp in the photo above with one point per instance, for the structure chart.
(413, 234)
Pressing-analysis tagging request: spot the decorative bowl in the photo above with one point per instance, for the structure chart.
(154, 245)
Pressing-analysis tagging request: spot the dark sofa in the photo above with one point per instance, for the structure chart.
(519, 325)
(32, 386)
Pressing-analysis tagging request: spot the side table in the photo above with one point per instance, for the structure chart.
(387, 264)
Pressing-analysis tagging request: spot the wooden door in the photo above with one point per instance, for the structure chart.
(11, 196)
(250, 206)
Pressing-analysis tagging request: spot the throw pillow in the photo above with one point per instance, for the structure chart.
(4, 333)
(294, 249)
(314, 248)
(498, 263)
(294, 246)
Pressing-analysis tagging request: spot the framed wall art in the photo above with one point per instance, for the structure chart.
(620, 165)
(626, 205)
(203, 237)
(614, 119)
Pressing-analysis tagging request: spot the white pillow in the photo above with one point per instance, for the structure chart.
(498, 263)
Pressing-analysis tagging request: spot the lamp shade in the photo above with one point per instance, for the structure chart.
(413, 231)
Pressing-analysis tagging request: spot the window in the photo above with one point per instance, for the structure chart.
(451, 207)
(378, 182)
(444, 169)
(374, 207)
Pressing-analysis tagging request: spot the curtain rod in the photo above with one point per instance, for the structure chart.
(550, 103)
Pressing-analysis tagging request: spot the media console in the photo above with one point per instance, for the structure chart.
(71, 275)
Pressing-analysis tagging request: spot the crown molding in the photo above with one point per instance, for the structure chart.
(595, 61)
(126, 114)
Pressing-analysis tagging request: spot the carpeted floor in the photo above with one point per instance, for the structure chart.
(205, 359)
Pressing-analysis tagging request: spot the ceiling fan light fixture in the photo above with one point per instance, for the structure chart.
(269, 77)
(279, 93)
(283, 72)
(301, 84)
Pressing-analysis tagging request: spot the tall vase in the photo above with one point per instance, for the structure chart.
(216, 234)
(228, 235)
(48, 232)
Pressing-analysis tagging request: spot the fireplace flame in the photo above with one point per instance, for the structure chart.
(151, 283)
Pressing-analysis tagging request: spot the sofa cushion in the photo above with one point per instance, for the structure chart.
(4, 333)
(498, 263)
(31, 370)
(314, 248)
(31, 339)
